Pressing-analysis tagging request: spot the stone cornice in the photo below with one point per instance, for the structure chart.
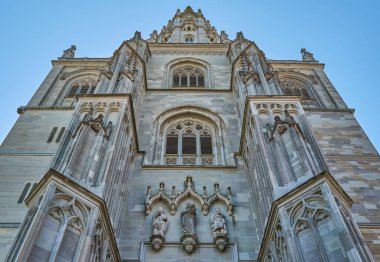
(22, 109)
(80, 61)
(189, 90)
(353, 157)
(54, 176)
(313, 182)
(188, 49)
(344, 110)
(295, 64)
(186, 167)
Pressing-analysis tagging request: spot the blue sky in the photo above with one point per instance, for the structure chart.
(342, 34)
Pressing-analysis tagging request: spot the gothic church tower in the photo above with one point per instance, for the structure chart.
(188, 146)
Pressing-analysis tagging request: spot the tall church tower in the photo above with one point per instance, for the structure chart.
(188, 146)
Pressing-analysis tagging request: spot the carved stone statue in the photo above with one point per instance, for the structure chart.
(70, 52)
(188, 221)
(219, 229)
(160, 224)
(307, 56)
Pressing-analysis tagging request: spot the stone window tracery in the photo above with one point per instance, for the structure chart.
(315, 230)
(188, 76)
(83, 86)
(189, 142)
(295, 87)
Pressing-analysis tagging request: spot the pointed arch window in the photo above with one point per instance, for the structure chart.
(317, 236)
(84, 86)
(295, 87)
(188, 76)
(189, 39)
(189, 142)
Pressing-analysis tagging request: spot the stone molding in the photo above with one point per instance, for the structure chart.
(188, 52)
(22, 109)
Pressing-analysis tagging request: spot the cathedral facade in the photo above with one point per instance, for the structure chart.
(188, 146)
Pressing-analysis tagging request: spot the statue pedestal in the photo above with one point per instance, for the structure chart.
(221, 241)
(188, 242)
(157, 242)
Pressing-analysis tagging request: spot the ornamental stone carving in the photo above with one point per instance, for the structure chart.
(174, 198)
(188, 222)
(95, 124)
(219, 230)
(280, 126)
(70, 52)
(160, 224)
(307, 56)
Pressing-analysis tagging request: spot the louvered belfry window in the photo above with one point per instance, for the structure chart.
(189, 142)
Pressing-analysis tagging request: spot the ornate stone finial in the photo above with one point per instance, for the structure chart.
(162, 187)
(224, 37)
(70, 52)
(189, 182)
(240, 37)
(216, 187)
(160, 224)
(153, 37)
(174, 192)
(219, 230)
(307, 56)
(188, 222)
(205, 195)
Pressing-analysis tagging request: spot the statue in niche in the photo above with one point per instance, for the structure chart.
(218, 223)
(219, 230)
(307, 56)
(70, 52)
(160, 224)
(188, 221)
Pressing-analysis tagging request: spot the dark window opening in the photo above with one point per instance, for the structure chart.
(201, 81)
(52, 134)
(23, 194)
(206, 145)
(60, 135)
(189, 145)
(172, 145)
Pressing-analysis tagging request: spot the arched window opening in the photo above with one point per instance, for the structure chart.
(295, 87)
(188, 76)
(189, 39)
(189, 142)
(84, 86)
(316, 232)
